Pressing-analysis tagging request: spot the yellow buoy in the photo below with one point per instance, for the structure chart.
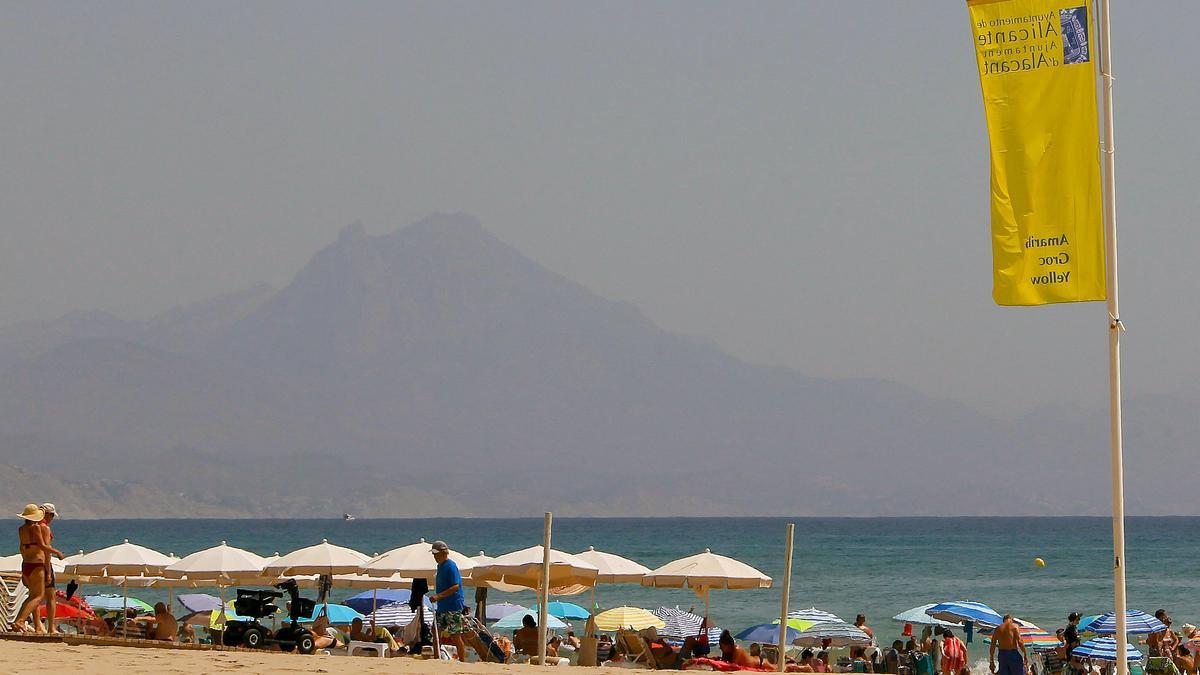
(1039, 562)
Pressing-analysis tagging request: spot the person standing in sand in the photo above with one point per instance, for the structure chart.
(449, 598)
(1007, 639)
(51, 590)
(35, 565)
(954, 653)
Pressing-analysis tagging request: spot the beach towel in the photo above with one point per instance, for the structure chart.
(723, 666)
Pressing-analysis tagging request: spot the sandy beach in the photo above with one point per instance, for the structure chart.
(19, 658)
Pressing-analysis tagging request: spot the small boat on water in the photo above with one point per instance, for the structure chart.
(347, 516)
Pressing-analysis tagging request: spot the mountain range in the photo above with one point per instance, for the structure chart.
(436, 370)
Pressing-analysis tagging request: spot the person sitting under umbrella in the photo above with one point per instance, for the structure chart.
(732, 653)
(165, 625)
(525, 639)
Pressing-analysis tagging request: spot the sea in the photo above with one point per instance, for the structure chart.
(875, 566)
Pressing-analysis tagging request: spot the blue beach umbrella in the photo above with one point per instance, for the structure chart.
(362, 601)
(1136, 623)
(108, 602)
(1085, 624)
(338, 614)
(965, 610)
(1105, 649)
(919, 616)
(766, 632)
(564, 610)
(513, 621)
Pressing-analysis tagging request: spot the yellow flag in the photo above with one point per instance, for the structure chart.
(1036, 68)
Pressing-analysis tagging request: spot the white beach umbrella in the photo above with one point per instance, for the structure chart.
(322, 558)
(124, 559)
(224, 564)
(483, 560)
(524, 568)
(355, 581)
(413, 561)
(705, 571)
(613, 569)
(11, 564)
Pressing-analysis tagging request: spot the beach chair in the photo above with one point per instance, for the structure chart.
(637, 650)
(1161, 665)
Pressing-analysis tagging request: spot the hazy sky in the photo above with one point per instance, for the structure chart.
(800, 183)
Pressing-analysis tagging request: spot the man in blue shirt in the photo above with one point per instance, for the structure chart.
(449, 597)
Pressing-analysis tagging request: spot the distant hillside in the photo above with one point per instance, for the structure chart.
(437, 370)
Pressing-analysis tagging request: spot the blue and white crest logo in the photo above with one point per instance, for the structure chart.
(1074, 22)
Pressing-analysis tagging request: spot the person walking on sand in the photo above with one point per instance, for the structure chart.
(1007, 640)
(35, 565)
(449, 598)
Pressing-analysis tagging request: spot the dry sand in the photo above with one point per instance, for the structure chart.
(21, 658)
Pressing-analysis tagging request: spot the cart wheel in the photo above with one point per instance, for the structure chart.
(252, 638)
(304, 642)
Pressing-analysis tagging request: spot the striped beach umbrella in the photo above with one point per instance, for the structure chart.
(395, 614)
(813, 615)
(1136, 623)
(965, 610)
(678, 623)
(839, 634)
(918, 616)
(1105, 649)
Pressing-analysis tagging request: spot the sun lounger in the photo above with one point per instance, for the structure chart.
(637, 650)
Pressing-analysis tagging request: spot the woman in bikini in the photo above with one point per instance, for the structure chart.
(35, 564)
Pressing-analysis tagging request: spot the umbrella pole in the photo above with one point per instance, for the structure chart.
(544, 589)
(374, 606)
(125, 610)
(787, 588)
(593, 633)
(707, 591)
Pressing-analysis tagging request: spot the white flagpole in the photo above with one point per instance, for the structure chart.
(544, 589)
(1114, 341)
(783, 604)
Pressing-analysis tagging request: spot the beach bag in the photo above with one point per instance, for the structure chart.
(924, 665)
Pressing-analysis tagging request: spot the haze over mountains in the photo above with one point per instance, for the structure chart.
(437, 371)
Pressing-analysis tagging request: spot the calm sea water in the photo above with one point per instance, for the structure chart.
(878, 566)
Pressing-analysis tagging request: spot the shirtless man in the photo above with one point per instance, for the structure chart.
(1007, 639)
(35, 565)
